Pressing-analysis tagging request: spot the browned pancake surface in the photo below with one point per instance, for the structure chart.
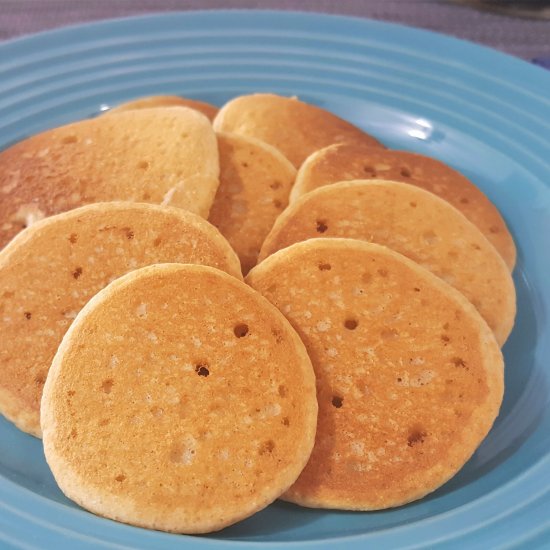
(296, 128)
(415, 223)
(353, 161)
(49, 271)
(164, 156)
(409, 376)
(255, 180)
(179, 400)
(206, 109)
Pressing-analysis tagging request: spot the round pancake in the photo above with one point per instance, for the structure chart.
(415, 223)
(296, 128)
(352, 161)
(50, 270)
(255, 180)
(165, 156)
(187, 419)
(409, 376)
(206, 109)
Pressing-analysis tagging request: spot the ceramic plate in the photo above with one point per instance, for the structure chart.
(482, 112)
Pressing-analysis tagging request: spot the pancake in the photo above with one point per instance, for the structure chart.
(296, 128)
(50, 270)
(187, 419)
(353, 161)
(255, 180)
(165, 156)
(206, 109)
(409, 376)
(415, 223)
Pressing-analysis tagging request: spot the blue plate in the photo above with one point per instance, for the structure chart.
(480, 111)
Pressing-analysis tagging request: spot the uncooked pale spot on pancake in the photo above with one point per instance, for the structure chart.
(434, 234)
(102, 159)
(194, 442)
(350, 161)
(295, 128)
(55, 276)
(400, 409)
(255, 180)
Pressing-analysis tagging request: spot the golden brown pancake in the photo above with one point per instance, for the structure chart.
(409, 375)
(352, 161)
(206, 109)
(415, 223)
(50, 270)
(296, 128)
(186, 419)
(255, 180)
(165, 156)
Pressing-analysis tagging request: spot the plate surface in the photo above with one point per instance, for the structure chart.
(480, 111)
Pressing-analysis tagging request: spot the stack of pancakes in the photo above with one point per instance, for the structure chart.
(357, 366)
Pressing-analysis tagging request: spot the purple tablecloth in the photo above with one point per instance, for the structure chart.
(524, 37)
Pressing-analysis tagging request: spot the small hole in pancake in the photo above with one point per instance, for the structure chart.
(40, 379)
(244, 164)
(416, 436)
(464, 200)
(120, 478)
(446, 326)
(494, 229)
(416, 289)
(143, 165)
(202, 370)
(277, 204)
(240, 330)
(445, 338)
(275, 185)
(282, 391)
(157, 241)
(459, 362)
(267, 447)
(73, 434)
(337, 401)
(271, 289)
(146, 196)
(69, 139)
(325, 267)
(277, 334)
(73, 238)
(475, 246)
(321, 226)
(107, 385)
(28, 314)
(70, 393)
(412, 204)
(351, 324)
(369, 170)
(104, 422)
(129, 233)
(285, 421)
(383, 272)
(405, 172)
(77, 272)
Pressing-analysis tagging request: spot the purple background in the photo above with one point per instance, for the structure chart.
(520, 36)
